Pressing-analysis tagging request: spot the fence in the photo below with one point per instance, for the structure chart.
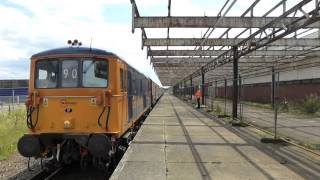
(12, 97)
(284, 104)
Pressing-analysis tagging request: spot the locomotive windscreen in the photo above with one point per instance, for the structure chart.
(95, 73)
(71, 73)
(46, 74)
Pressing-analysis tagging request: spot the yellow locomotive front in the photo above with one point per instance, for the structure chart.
(75, 109)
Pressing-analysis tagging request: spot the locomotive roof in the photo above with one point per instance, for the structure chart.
(73, 50)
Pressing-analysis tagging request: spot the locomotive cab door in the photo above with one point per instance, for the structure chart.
(124, 93)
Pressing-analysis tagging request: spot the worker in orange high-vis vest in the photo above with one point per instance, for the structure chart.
(198, 96)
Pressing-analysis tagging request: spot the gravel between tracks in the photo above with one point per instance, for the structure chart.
(15, 167)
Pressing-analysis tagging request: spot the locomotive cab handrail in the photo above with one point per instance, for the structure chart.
(30, 109)
(106, 104)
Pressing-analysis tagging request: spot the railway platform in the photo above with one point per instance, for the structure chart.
(178, 142)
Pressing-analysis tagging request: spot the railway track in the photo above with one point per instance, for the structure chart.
(71, 172)
(44, 175)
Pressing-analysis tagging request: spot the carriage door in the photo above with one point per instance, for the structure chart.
(124, 93)
(130, 96)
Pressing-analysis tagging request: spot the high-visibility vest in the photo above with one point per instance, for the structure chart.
(198, 94)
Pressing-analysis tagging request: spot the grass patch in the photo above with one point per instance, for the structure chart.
(12, 127)
(314, 146)
(258, 105)
(307, 107)
(311, 104)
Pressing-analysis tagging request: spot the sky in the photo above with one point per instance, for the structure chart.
(30, 26)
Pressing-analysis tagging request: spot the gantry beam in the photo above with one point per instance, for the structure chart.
(263, 32)
(204, 22)
(193, 65)
(167, 71)
(226, 70)
(309, 18)
(180, 60)
(219, 52)
(310, 42)
(197, 60)
(175, 70)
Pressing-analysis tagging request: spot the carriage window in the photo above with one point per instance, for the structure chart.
(130, 88)
(47, 72)
(95, 73)
(122, 80)
(70, 74)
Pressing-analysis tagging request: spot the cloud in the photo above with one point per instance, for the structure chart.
(49, 24)
(27, 27)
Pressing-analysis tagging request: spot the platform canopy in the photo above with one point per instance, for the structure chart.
(259, 41)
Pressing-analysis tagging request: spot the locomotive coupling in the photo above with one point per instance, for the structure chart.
(29, 146)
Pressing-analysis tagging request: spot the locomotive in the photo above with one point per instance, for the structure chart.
(83, 102)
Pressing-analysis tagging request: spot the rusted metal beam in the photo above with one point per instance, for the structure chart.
(197, 60)
(177, 65)
(204, 22)
(310, 42)
(219, 52)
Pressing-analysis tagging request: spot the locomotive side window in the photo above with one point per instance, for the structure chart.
(70, 73)
(46, 74)
(95, 73)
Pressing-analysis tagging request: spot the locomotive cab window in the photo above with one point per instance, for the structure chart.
(95, 73)
(70, 74)
(46, 74)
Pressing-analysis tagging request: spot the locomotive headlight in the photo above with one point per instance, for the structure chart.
(67, 124)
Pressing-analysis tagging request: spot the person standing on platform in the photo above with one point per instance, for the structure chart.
(198, 96)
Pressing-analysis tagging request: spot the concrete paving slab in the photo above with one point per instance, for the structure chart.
(207, 140)
(171, 121)
(163, 113)
(235, 171)
(219, 154)
(191, 121)
(140, 170)
(256, 155)
(151, 129)
(178, 153)
(154, 121)
(199, 131)
(183, 171)
(184, 114)
(156, 138)
(146, 152)
(209, 122)
(175, 139)
(228, 135)
(174, 130)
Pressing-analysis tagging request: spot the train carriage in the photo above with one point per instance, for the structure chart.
(81, 103)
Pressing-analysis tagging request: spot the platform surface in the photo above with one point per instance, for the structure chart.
(178, 142)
